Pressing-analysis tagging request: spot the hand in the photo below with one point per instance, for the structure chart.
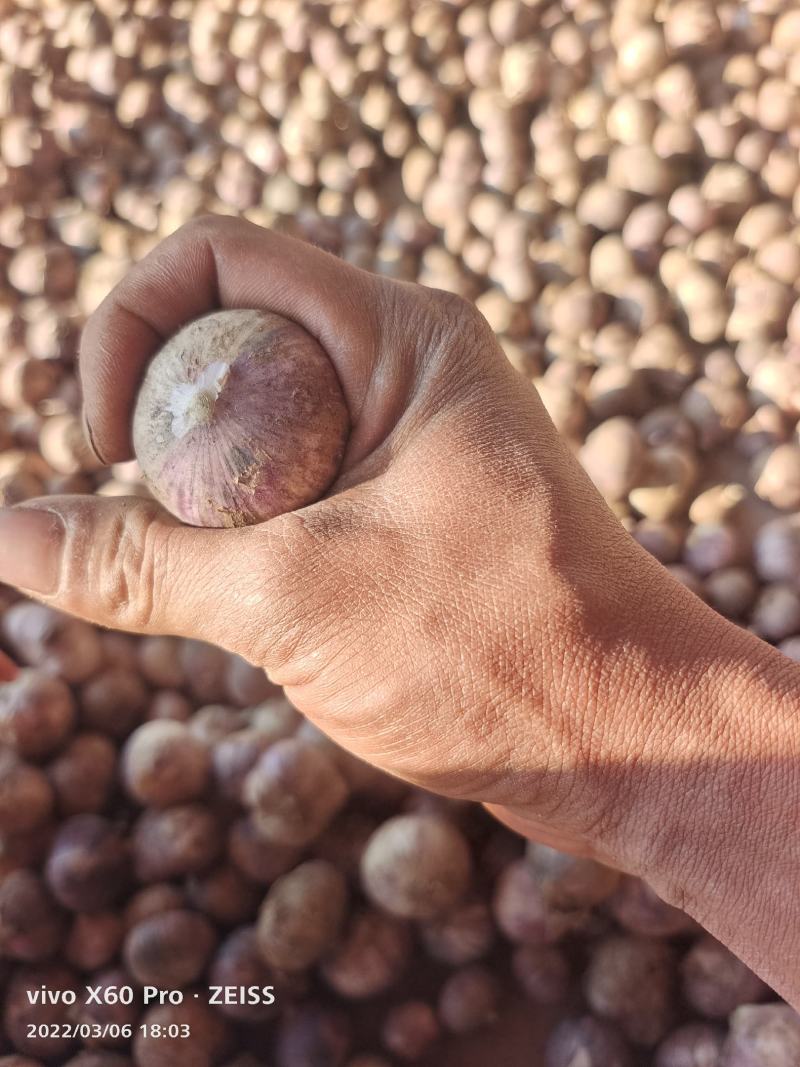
(430, 613)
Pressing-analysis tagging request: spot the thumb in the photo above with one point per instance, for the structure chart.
(126, 564)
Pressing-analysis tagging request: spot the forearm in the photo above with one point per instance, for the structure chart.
(725, 835)
(688, 769)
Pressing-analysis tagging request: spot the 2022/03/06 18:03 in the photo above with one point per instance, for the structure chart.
(105, 1031)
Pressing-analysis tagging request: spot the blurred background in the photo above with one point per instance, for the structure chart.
(617, 187)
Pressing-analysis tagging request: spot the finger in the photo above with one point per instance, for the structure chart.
(216, 262)
(123, 563)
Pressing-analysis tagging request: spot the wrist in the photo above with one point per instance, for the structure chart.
(611, 711)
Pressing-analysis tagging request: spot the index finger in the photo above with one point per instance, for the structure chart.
(211, 263)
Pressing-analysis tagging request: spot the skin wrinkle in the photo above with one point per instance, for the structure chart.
(109, 559)
(119, 555)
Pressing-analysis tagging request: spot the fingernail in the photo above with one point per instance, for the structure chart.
(31, 542)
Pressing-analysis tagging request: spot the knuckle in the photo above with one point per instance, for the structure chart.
(129, 562)
(208, 227)
(450, 303)
(454, 320)
(459, 312)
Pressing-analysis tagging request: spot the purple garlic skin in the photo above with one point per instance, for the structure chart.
(762, 1035)
(240, 417)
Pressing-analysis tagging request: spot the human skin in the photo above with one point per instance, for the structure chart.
(462, 609)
